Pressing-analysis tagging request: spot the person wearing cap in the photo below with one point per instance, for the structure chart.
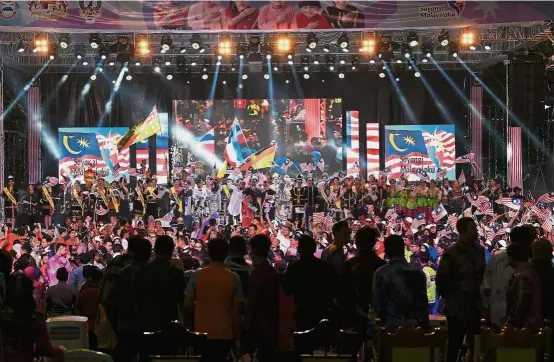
(10, 200)
(309, 16)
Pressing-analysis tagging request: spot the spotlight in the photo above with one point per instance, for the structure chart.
(64, 41)
(268, 51)
(166, 42)
(444, 39)
(342, 61)
(276, 68)
(157, 69)
(472, 47)
(266, 76)
(316, 61)
(85, 63)
(253, 44)
(467, 38)
(368, 46)
(413, 39)
(341, 75)
(417, 74)
(406, 50)
(311, 42)
(453, 49)
(53, 52)
(94, 41)
(204, 76)
(196, 42)
(137, 63)
(284, 45)
(169, 77)
(381, 74)
(287, 81)
(399, 61)
(183, 49)
(306, 76)
(290, 62)
(93, 77)
(342, 72)
(193, 63)
(397, 79)
(331, 67)
(424, 60)
(372, 61)
(143, 45)
(79, 54)
(245, 76)
(427, 50)
(21, 47)
(224, 82)
(306, 68)
(167, 62)
(487, 45)
(326, 48)
(224, 47)
(128, 77)
(343, 41)
(241, 51)
(41, 44)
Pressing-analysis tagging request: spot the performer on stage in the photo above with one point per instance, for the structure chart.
(153, 193)
(31, 202)
(46, 203)
(139, 201)
(298, 202)
(102, 199)
(312, 198)
(77, 202)
(213, 196)
(10, 201)
(124, 207)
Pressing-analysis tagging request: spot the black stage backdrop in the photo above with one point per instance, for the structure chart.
(375, 98)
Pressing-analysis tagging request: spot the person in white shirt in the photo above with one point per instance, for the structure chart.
(235, 202)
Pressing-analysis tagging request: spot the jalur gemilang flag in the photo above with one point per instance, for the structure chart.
(232, 152)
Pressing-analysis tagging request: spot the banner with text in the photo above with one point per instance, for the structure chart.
(265, 15)
(418, 151)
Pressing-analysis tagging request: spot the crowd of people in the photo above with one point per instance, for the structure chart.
(250, 261)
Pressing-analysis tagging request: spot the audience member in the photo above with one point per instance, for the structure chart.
(542, 265)
(313, 283)
(262, 308)
(217, 298)
(459, 278)
(88, 300)
(60, 299)
(399, 293)
(235, 261)
(334, 253)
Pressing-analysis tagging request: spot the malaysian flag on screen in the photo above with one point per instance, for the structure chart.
(418, 149)
(514, 157)
(372, 148)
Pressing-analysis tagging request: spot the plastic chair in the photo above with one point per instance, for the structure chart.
(325, 342)
(414, 345)
(86, 355)
(68, 331)
(517, 345)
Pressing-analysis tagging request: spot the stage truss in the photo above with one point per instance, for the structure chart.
(502, 39)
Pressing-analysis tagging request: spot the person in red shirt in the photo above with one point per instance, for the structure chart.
(239, 15)
(9, 237)
(309, 16)
(247, 211)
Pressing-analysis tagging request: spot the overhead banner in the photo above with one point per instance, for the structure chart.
(417, 151)
(263, 16)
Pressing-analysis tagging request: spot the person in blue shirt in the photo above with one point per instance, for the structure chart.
(76, 279)
(399, 290)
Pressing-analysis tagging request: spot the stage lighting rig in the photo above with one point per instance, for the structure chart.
(486, 45)
(412, 39)
(368, 46)
(21, 47)
(95, 41)
(382, 74)
(196, 42)
(355, 62)
(311, 42)
(444, 38)
(330, 62)
(285, 45)
(467, 38)
(41, 44)
(406, 50)
(268, 51)
(341, 72)
(254, 43)
(137, 62)
(169, 76)
(417, 74)
(316, 60)
(454, 49)
(166, 43)
(306, 76)
(224, 47)
(53, 52)
(64, 41)
(344, 42)
(427, 50)
(242, 49)
(305, 62)
(142, 44)
(326, 48)
(181, 63)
